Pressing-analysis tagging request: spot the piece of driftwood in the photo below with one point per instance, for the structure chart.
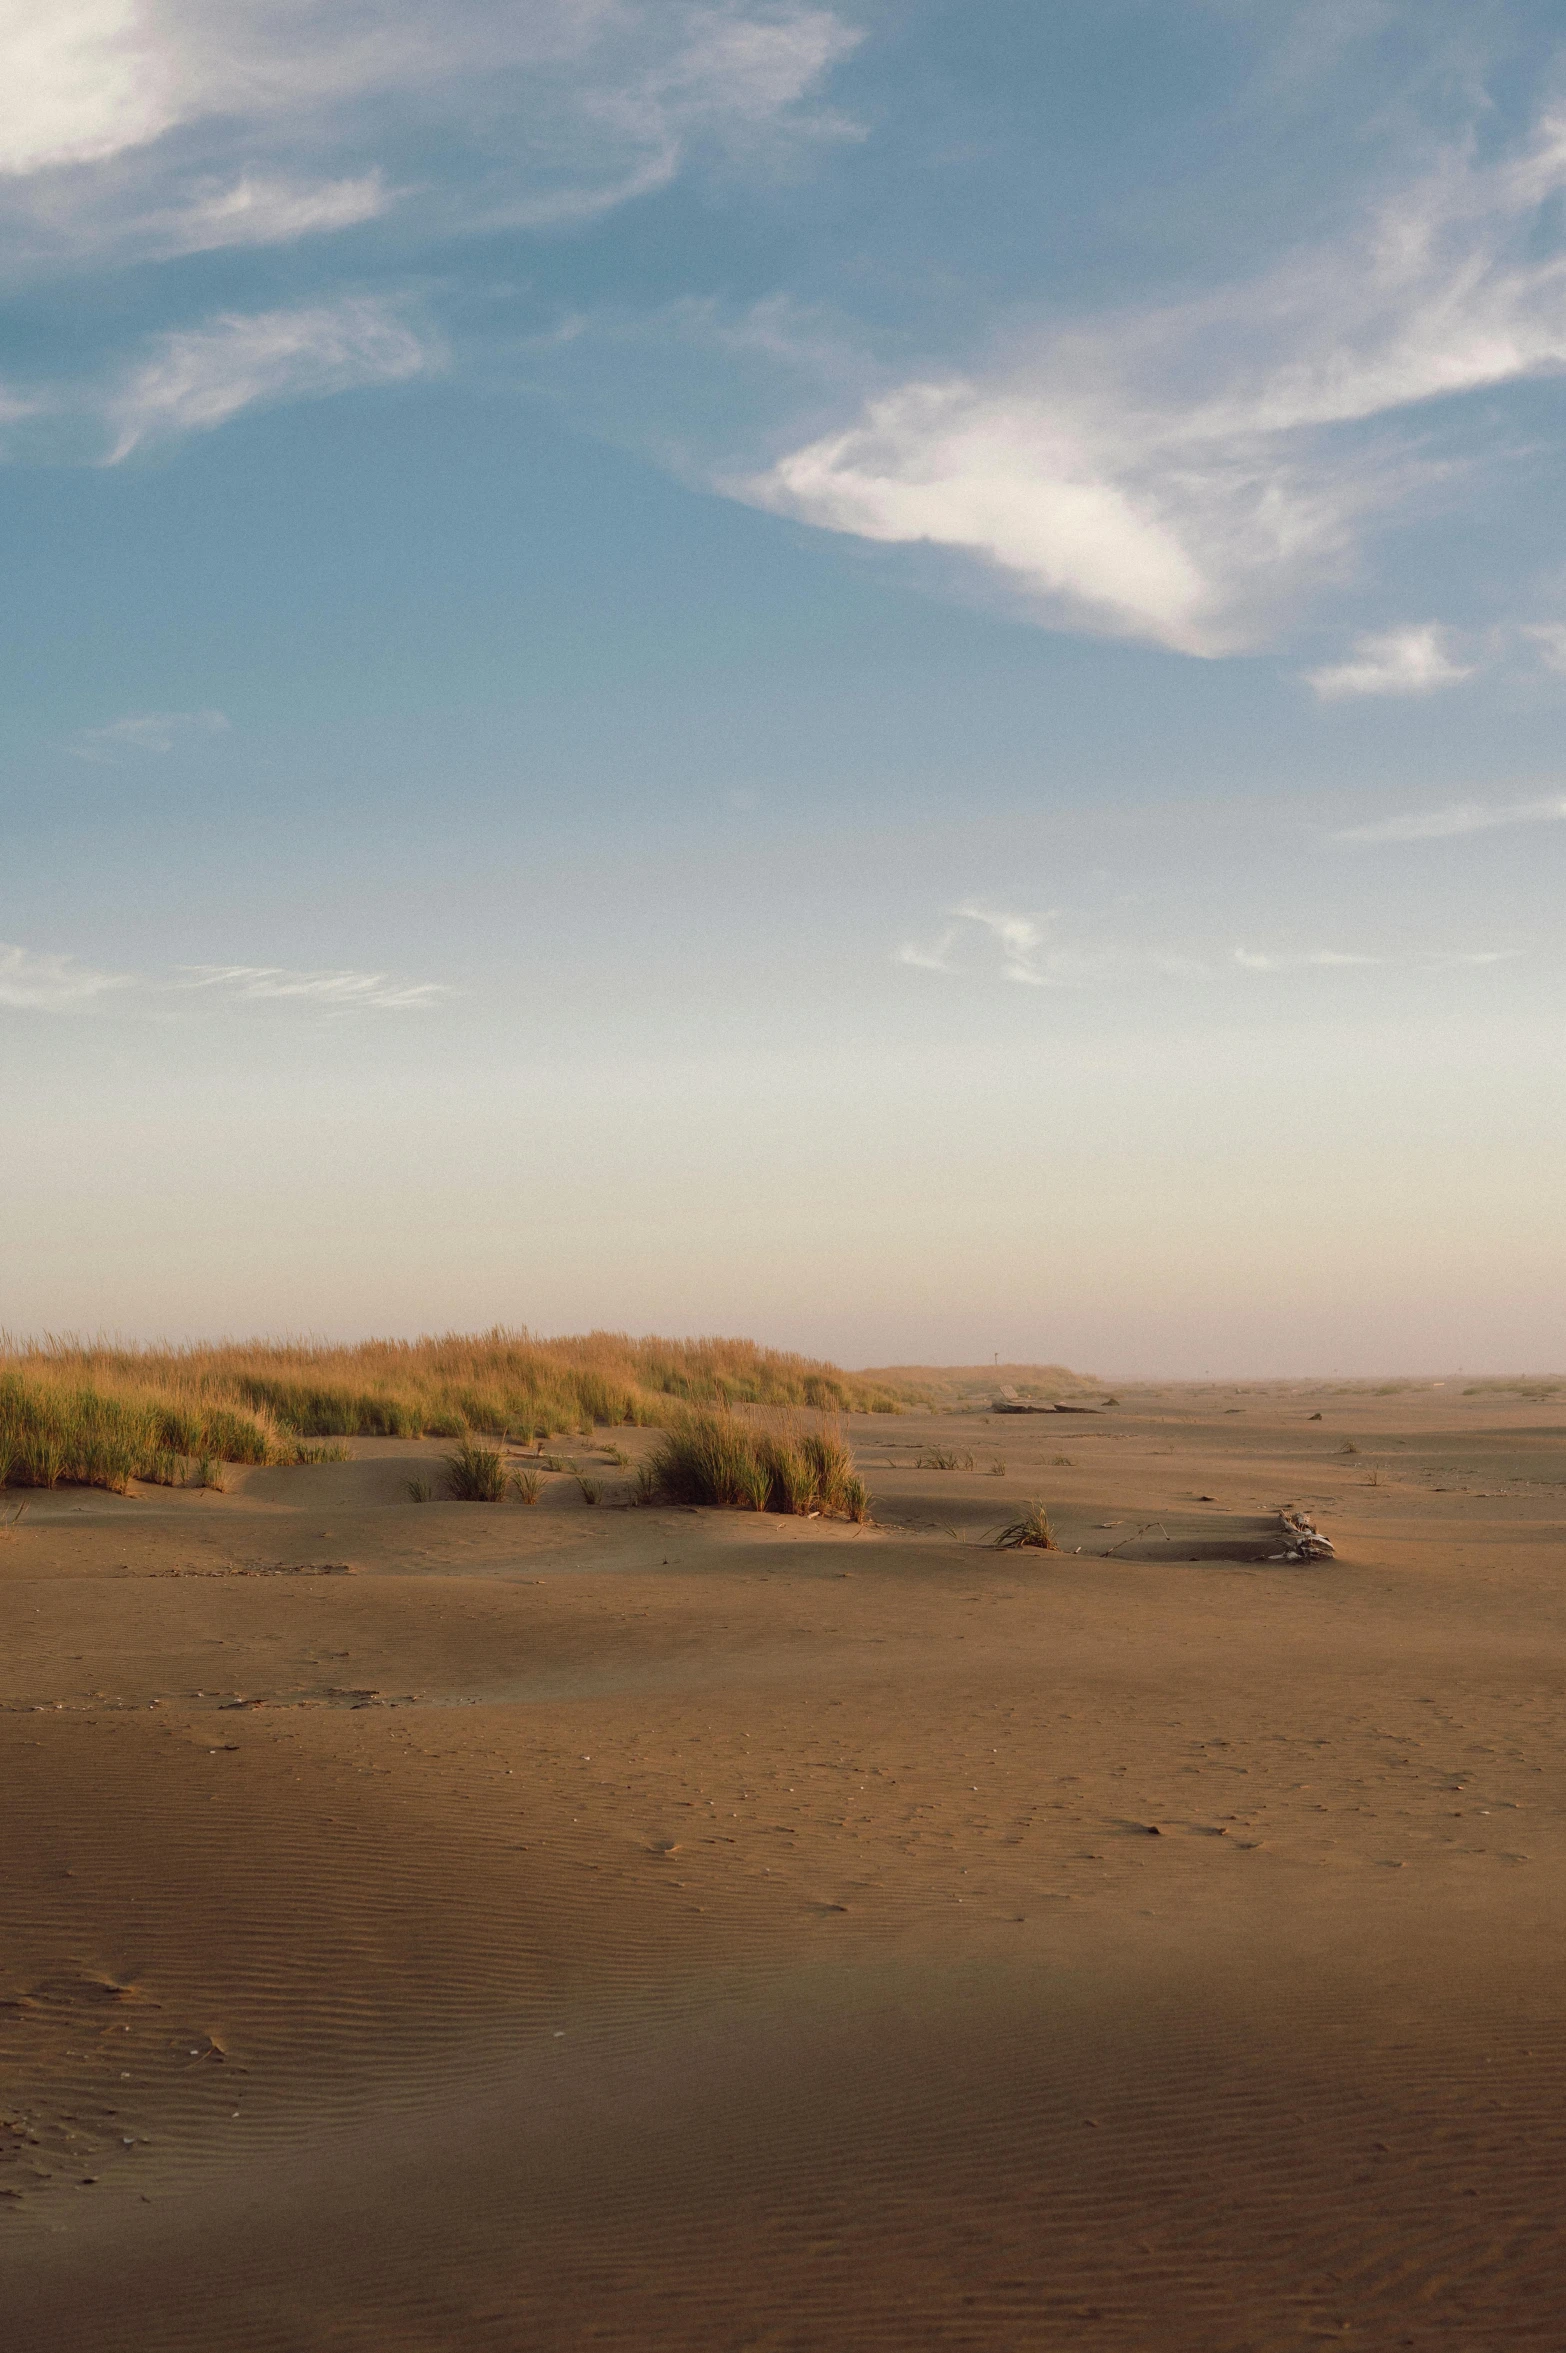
(1015, 1405)
(1304, 1539)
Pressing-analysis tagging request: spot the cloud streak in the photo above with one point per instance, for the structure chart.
(148, 731)
(1397, 662)
(1337, 960)
(1432, 825)
(1189, 474)
(34, 983)
(336, 989)
(202, 376)
(1021, 942)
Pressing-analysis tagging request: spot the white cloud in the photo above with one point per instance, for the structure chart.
(50, 984)
(258, 210)
(1415, 660)
(1332, 959)
(54, 984)
(1022, 940)
(1250, 960)
(1183, 474)
(148, 731)
(1429, 825)
(1550, 638)
(275, 983)
(936, 958)
(122, 115)
(84, 79)
(202, 376)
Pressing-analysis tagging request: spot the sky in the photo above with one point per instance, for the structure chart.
(886, 676)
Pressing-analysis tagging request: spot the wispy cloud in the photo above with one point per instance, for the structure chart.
(276, 984)
(167, 125)
(257, 209)
(148, 731)
(1550, 638)
(1432, 825)
(1022, 941)
(30, 982)
(936, 957)
(1333, 959)
(1322, 959)
(35, 982)
(1416, 660)
(1188, 473)
(202, 376)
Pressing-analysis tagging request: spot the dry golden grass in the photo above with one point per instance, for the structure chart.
(713, 1458)
(1030, 1530)
(83, 1411)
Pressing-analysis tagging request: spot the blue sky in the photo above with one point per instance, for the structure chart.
(889, 676)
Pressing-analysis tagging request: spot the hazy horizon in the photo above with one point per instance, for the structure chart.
(885, 678)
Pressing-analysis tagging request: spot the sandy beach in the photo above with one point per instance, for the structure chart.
(454, 1925)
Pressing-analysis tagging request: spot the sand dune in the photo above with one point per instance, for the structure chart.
(437, 1926)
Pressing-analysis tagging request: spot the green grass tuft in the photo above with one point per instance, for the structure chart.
(475, 1474)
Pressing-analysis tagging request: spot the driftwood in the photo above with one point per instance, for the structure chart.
(1007, 1401)
(1304, 1539)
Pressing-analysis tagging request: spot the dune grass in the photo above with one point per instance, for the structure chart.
(715, 1458)
(86, 1412)
(475, 1474)
(1030, 1530)
(57, 1432)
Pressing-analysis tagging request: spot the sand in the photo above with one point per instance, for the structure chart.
(455, 1926)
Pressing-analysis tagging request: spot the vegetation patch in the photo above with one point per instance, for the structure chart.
(83, 1413)
(55, 1433)
(1030, 1530)
(475, 1474)
(717, 1459)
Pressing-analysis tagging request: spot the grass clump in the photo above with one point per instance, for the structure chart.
(475, 1474)
(526, 1485)
(420, 1489)
(1031, 1530)
(717, 1459)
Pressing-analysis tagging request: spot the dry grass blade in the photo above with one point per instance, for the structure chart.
(1031, 1529)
